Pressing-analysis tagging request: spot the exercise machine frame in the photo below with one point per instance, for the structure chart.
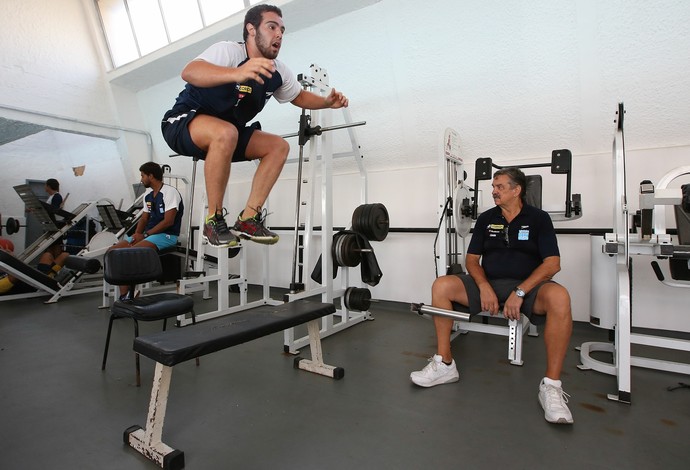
(458, 206)
(314, 129)
(622, 244)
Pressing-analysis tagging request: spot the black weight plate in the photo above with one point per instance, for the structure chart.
(378, 223)
(12, 226)
(349, 252)
(356, 215)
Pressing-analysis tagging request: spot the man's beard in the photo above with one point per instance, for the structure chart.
(265, 47)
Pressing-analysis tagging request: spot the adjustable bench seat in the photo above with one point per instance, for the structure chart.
(515, 330)
(172, 347)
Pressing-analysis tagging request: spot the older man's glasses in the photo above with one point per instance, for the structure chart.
(506, 238)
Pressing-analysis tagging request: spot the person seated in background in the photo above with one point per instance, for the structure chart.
(161, 219)
(50, 263)
(511, 259)
(54, 196)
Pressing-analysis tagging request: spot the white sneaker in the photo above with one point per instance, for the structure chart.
(553, 399)
(435, 373)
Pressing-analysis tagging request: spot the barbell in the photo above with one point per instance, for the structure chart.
(357, 298)
(371, 220)
(12, 226)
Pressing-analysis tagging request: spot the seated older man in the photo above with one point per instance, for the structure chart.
(511, 259)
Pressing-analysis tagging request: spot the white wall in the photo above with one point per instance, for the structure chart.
(515, 79)
(49, 61)
(103, 174)
(52, 75)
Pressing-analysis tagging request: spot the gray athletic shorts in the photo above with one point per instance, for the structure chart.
(503, 288)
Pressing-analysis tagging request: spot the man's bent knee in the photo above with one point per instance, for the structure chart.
(284, 148)
(225, 141)
(279, 151)
(263, 145)
(552, 297)
(449, 288)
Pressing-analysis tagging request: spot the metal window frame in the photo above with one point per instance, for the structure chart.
(125, 3)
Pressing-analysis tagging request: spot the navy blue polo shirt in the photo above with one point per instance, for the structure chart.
(166, 199)
(513, 250)
(238, 103)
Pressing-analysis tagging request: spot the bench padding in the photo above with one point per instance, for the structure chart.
(21, 267)
(174, 346)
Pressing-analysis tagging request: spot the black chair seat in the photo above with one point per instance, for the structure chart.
(132, 266)
(153, 307)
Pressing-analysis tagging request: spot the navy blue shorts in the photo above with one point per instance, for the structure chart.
(175, 128)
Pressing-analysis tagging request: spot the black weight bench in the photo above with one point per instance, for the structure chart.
(40, 281)
(172, 347)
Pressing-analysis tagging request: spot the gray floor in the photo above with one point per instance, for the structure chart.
(247, 408)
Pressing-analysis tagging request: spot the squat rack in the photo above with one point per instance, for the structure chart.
(314, 164)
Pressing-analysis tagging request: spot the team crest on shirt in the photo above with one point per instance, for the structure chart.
(242, 91)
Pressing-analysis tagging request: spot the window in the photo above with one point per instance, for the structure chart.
(182, 17)
(216, 10)
(134, 28)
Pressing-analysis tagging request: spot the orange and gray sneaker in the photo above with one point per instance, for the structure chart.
(253, 229)
(216, 232)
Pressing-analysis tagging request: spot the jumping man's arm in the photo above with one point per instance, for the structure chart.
(205, 74)
(309, 100)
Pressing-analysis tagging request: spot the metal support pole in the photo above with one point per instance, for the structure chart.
(191, 213)
(298, 201)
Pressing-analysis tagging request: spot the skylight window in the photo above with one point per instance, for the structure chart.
(134, 28)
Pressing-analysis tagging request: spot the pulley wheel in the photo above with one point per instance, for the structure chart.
(356, 298)
(371, 220)
(462, 210)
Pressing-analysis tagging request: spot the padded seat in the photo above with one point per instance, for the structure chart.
(153, 307)
(132, 266)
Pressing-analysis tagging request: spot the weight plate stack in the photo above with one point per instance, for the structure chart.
(371, 220)
(345, 250)
(356, 298)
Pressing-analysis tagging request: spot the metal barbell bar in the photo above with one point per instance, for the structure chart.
(306, 131)
(429, 310)
(12, 226)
